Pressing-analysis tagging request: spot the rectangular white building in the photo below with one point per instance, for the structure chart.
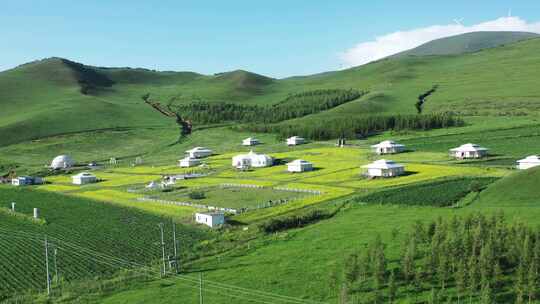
(299, 165)
(187, 162)
(84, 178)
(468, 151)
(210, 219)
(295, 140)
(199, 152)
(388, 147)
(26, 181)
(528, 162)
(384, 168)
(250, 141)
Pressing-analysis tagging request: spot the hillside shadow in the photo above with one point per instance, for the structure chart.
(409, 173)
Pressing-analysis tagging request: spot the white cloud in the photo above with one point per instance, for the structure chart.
(396, 42)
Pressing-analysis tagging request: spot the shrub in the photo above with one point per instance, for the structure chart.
(197, 195)
(440, 193)
(295, 221)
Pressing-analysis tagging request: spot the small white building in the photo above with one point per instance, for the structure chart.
(299, 165)
(211, 219)
(252, 159)
(84, 178)
(528, 162)
(384, 168)
(26, 181)
(388, 147)
(295, 140)
(199, 152)
(250, 141)
(62, 162)
(188, 162)
(469, 151)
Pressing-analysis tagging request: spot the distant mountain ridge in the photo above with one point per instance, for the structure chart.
(467, 43)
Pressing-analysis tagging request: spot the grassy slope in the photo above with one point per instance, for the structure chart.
(317, 249)
(467, 43)
(34, 96)
(517, 190)
(106, 228)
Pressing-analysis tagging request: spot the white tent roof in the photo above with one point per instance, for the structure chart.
(295, 137)
(383, 164)
(469, 148)
(152, 185)
(190, 159)
(84, 174)
(299, 162)
(253, 155)
(387, 144)
(199, 149)
(62, 161)
(530, 159)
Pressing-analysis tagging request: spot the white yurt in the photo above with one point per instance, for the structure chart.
(62, 162)
(299, 165)
(252, 159)
(388, 147)
(84, 178)
(384, 168)
(528, 162)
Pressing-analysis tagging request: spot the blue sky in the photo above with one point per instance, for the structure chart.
(275, 38)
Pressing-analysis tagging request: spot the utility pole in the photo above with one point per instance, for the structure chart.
(200, 288)
(162, 249)
(176, 259)
(47, 266)
(55, 267)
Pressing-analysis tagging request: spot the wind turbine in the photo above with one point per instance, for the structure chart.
(458, 21)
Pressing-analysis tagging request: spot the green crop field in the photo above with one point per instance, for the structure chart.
(122, 232)
(439, 194)
(231, 197)
(107, 232)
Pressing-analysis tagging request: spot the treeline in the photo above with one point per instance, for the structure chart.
(352, 127)
(294, 221)
(476, 259)
(294, 106)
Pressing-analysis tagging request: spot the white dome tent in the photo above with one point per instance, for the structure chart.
(62, 162)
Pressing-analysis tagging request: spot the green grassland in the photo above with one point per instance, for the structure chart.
(467, 43)
(55, 107)
(444, 193)
(103, 227)
(230, 197)
(519, 190)
(110, 97)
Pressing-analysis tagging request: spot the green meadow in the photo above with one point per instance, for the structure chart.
(107, 235)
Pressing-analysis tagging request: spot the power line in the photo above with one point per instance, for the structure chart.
(116, 262)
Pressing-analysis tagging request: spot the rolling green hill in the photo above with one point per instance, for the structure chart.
(56, 96)
(99, 114)
(517, 190)
(467, 43)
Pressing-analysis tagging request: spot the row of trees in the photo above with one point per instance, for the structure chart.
(352, 127)
(294, 221)
(294, 106)
(471, 259)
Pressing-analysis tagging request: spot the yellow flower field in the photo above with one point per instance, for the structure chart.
(129, 200)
